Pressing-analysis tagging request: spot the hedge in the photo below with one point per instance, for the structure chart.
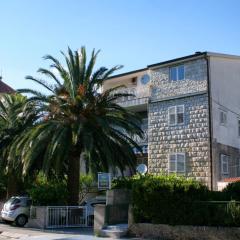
(176, 200)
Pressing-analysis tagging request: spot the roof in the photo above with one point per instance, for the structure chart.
(188, 57)
(4, 88)
(234, 179)
(127, 73)
(197, 54)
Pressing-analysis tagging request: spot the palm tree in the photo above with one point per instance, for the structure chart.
(78, 119)
(15, 118)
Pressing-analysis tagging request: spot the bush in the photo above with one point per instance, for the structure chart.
(86, 186)
(124, 182)
(46, 192)
(232, 191)
(176, 200)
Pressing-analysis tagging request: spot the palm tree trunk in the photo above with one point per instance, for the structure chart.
(73, 180)
(13, 186)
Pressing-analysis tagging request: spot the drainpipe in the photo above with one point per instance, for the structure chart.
(210, 118)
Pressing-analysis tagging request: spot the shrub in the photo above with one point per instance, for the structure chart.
(164, 199)
(46, 192)
(86, 186)
(171, 199)
(124, 182)
(232, 191)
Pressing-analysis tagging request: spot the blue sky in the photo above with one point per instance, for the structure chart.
(134, 33)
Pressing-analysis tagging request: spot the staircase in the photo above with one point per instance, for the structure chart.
(114, 231)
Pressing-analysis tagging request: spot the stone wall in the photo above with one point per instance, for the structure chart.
(191, 138)
(195, 81)
(160, 231)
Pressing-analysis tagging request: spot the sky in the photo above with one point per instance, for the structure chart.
(134, 33)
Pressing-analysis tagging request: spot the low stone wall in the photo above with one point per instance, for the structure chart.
(167, 232)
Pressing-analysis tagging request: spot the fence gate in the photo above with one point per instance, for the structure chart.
(67, 216)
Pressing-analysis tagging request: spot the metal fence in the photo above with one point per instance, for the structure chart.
(68, 216)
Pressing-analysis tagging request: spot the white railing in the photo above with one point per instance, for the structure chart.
(139, 96)
(67, 216)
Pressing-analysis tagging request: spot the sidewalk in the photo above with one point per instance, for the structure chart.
(12, 232)
(8, 232)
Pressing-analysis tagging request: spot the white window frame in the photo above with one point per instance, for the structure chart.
(176, 162)
(224, 160)
(176, 113)
(224, 112)
(177, 74)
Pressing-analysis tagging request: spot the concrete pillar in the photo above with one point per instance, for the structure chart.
(99, 217)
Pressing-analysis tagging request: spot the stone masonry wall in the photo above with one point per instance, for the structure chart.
(195, 81)
(192, 138)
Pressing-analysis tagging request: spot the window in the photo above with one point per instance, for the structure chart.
(223, 117)
(224, 164)
(238, 168)
(176, 115)
(239, 127)
(176, 163)
(177, 73)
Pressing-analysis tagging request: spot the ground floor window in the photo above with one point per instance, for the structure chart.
(238, 167)
(177, 163)
(224, 164)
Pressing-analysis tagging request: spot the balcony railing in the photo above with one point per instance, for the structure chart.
(139, 96)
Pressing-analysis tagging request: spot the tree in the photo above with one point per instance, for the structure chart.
(15, 118)
(78, 119)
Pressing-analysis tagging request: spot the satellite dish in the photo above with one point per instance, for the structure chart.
(141, 168)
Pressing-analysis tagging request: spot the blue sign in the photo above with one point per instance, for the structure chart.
(104, 181)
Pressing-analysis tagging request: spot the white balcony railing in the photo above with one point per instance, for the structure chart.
(139, 96)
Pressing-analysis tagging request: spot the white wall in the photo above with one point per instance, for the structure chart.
(225, 89)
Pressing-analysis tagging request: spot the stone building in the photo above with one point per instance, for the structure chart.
(191, 115)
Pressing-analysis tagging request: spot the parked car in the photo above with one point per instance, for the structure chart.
(16, 209)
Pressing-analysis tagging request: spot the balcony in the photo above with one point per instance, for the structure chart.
(140, 97)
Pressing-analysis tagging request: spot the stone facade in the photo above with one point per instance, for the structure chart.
(191, 138)
(168, 232)
(195, 81)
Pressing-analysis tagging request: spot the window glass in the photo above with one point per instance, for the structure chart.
(180, 162)
(177, 162)
(173, 74)
(172, 119)
(238, 168)
(180, 118)
(172, 163)
(13, 200)
(224, 164)
(181, 72)
(239, 127)
(176, 115)
(223, 117)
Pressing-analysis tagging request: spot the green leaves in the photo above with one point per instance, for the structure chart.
(78, 118)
